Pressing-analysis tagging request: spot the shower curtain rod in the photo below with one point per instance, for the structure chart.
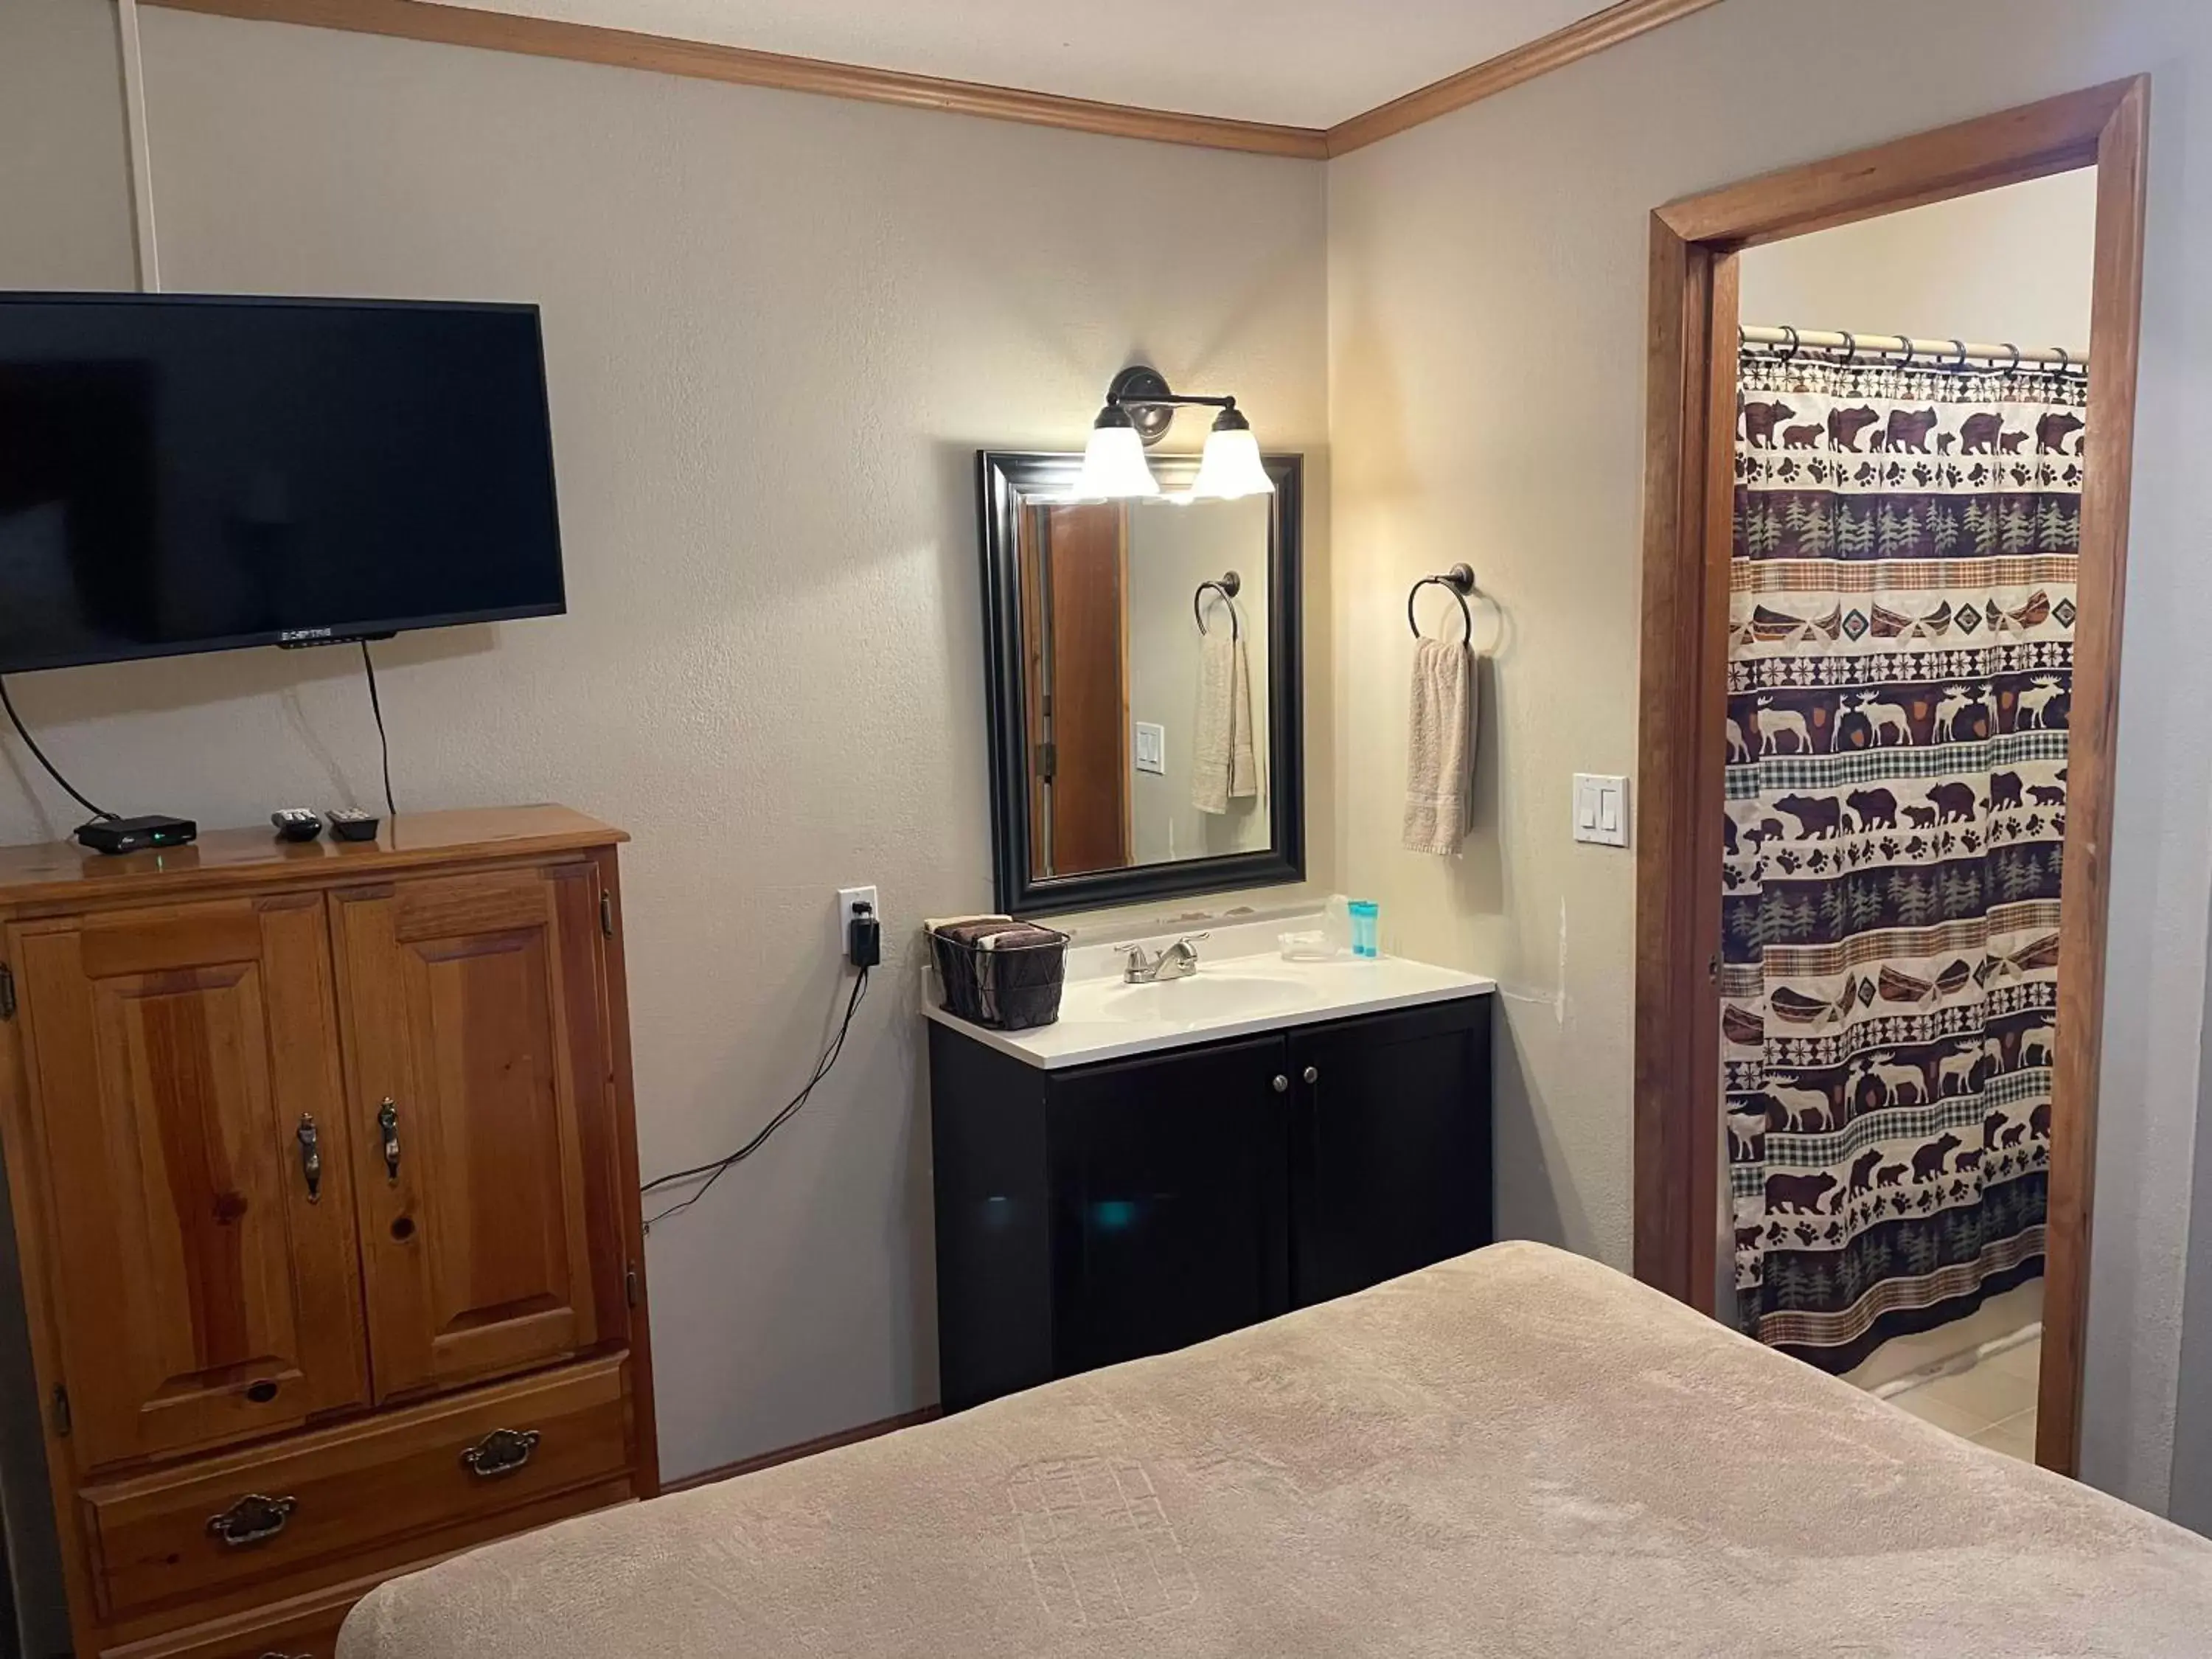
(1935, 353)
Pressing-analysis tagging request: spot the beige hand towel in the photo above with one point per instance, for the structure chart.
(1223, 766)
(1440, 748)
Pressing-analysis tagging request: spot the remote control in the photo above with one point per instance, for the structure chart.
(350, 824)
(296, 824)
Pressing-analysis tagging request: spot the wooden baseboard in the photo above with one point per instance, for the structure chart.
(804, 1448)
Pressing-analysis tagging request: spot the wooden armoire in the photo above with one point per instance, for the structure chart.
(325, 1183)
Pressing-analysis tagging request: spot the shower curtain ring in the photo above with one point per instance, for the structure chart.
(1850, 350)
(1960, 346)
(1911, 356)
(2014, 366)
(1789, 351)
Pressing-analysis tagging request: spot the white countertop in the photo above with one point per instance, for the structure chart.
(1230, 995)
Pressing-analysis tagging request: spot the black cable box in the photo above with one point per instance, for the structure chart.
(137, 835)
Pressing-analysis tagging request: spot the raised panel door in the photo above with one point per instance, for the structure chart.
(186, 1098)
(474, 1016)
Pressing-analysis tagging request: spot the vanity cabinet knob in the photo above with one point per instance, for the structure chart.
(1282, 1084)
(1313, 1073)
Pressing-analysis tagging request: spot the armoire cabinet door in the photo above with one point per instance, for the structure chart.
(186, 1104)
(476, 1037)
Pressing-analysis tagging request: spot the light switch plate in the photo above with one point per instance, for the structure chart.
(1601, 810)
(1152, 748)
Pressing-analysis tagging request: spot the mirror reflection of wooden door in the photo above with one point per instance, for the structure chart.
(1076, 664)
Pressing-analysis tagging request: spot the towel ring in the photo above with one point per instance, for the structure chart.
(1460, 578)
(1228, 588)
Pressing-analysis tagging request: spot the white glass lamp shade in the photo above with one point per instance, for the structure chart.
(1114, 465)
(1230, 466)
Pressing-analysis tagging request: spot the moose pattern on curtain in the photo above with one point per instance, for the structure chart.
(1901, 650)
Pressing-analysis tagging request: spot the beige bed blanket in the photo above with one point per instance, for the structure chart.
(1516, 1453)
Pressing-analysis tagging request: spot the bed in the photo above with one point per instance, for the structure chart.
(1517, 1453)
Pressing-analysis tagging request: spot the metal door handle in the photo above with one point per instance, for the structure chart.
(387, 1119)
(501, 1452)
(311, 1157)
(254, 1519)
(1313, 1073)
(1282, 1084)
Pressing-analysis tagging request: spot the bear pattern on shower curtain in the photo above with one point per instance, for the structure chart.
(1901, 640)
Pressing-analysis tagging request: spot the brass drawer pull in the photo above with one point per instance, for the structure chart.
(311, 1157)
(387, 1119)
(254, 1519)
(501, 1452)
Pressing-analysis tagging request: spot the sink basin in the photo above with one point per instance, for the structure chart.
(1203, 997)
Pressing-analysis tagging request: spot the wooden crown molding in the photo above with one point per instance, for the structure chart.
(452, 25)
(698, 60)
(1595, 33)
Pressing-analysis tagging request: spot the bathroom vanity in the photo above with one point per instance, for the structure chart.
(1171, 1162)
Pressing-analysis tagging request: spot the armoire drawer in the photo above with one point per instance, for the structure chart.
(300, 1630)
(323, 1499)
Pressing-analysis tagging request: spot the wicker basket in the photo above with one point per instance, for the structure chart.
(1009, 989)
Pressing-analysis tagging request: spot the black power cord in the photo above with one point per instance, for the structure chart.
(383, 743)
(721, 1166)
(40, 754)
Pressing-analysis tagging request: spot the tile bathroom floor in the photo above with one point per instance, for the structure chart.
(1991, 1402)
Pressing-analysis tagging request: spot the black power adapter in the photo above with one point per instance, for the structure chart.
(864, 937)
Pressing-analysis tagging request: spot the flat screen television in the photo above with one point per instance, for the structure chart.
(196, 473)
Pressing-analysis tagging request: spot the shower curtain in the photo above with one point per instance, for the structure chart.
(1901, 651)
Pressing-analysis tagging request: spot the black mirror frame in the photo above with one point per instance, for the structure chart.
(1003, 479)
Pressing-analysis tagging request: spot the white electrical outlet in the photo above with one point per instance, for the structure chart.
(850, 899)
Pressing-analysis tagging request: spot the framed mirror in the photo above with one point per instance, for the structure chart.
(1144, 672)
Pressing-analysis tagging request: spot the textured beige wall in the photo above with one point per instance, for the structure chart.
(64, 162)
(2014, 265)
(777, 328)
(1487, 294)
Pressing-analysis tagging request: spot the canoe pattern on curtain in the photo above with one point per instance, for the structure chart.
(1901, 652)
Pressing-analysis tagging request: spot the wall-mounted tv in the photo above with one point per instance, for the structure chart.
(195, 473)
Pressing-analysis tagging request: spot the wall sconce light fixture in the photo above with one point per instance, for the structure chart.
(1139, 408)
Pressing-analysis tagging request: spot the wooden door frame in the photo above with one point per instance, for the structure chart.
(1688, 532)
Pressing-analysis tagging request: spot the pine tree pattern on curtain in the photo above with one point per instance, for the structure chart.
(1901, 652)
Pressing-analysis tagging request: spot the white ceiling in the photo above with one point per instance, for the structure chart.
(1304, 63)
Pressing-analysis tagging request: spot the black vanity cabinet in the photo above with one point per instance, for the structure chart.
(1101, 1212)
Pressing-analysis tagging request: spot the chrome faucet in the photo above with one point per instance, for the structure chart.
(1177, 961)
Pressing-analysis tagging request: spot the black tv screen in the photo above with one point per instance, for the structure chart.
(193, 473)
